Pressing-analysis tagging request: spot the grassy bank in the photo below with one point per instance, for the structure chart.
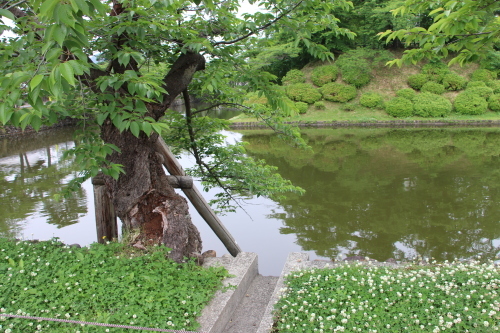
(450, 297)
(113, 284)
(385, 82)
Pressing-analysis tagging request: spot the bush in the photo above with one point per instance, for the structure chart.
(482, 91)
(324, 74)
(436, 70)
(338, 92)
(483, 74)
(293, 76)
(301, 107)
(495, 85)
(454, 82)
(433, 87)
(473, 84)
(254, 98)
(427, 104)
(356, 70)
(320, 105)
(494, 102)
(370, 100)
(303, 92)
(399, 107)
(349, 107)
(416, 81)
(469, 103)
(407, 93)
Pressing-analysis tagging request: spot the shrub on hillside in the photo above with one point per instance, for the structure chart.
(355, 69)
(293, 76)
(301, 107)
(320, 105)
(399, 107)
(416, 81)
(495, 85)
(473, 84)
(338, 92)
(494, 102)
(322, 75)
(348, 107)
(482, 91)
(303, 92)
(371, 100)
(454, 82)
(436, 70)
(254, 98)
(407, 93)
(471, 104)
(433, 87)
(491, 61)
(483, 74)
(427, 104)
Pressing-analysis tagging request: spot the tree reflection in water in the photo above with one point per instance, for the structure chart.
(31, 172)
(391, 193)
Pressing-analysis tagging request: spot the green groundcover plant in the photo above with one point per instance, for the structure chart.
(450, 297)
(111, 283)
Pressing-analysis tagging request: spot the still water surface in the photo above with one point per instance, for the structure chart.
(382, 193)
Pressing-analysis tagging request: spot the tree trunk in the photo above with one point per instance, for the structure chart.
(143, 198)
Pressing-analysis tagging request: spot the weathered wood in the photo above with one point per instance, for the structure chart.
(182, 182)
(105, 217)
(174, 168)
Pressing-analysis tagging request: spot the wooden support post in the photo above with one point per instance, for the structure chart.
(105, 217)
(174, 168)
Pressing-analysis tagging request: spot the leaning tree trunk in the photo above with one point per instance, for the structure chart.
(143, 198)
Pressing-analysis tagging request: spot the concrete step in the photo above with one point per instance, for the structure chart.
(247, 316)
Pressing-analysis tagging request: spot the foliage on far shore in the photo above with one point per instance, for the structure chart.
(113, 283)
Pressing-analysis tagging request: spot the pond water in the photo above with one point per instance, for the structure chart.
(382, 193)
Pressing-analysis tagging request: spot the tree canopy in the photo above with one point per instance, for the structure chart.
(464, 30)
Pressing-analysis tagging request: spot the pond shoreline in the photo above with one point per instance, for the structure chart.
(388, 123)
(10, 131)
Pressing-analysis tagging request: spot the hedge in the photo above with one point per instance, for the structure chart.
(454, 82)
(399, 107)
(433, 87)
(293, 76)
(408, 93)
(303, 92)
(427, 104)
(416, 81)
(371, 100)
(470, 104)
(322, 75)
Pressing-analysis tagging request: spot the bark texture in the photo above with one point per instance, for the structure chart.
(145, 201)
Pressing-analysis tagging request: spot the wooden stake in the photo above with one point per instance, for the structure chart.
(105, 217)
(174, 168)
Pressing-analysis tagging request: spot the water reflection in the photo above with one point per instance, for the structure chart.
(391, 193)
(31, 172)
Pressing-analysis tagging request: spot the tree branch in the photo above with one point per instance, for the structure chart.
(265, 26)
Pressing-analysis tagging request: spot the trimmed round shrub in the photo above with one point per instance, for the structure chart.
(349, 107)
(482, 91)
(303, 92)
(433, 87)
(320, 105)
(436, 70)
(473, 84)
(338, 92)
(471, 104)
(416, 81)
(324, 74)
(355, 69)
(399, 107)
(454, 82)
(293, 76)
(483, 74)
(406, 93)
(370, 100)
(495, 85)
(427, 104)
(494, 102)
(301, 107)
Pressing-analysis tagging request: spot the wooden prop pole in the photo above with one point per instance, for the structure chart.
(105, 217)
(174, 168)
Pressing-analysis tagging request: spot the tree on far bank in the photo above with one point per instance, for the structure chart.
(463, 30)
(118, 67)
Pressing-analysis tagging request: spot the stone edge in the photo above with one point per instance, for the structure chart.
(242, 269)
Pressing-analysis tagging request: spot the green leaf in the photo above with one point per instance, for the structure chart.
(7, 14)
(134, 128)
(101, 117)
(68, 73)
(35, 81)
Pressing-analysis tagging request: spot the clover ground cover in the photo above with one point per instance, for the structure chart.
(110, 283)
(450, 297)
